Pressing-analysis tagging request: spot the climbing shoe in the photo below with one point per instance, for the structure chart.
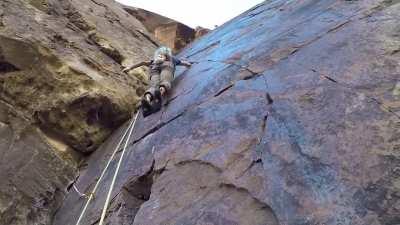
(157, 101)
(153, 106)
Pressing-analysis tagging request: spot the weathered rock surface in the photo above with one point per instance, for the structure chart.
(35, 170)
(61, 91)
(61, 66)
(291, 116)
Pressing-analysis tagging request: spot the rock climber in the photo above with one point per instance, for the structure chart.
(162, 69)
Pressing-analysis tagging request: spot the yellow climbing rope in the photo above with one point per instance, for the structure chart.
(129, 130)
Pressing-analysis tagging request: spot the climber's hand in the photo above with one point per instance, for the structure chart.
(186, 63)
(193, 62)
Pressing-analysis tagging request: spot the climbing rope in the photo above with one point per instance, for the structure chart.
(91, 195)
(103, 214)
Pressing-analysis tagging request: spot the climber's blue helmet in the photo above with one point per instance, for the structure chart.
(162, 54)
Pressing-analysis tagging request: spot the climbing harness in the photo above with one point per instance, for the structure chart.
(127, 133)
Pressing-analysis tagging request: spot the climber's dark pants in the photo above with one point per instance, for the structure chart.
(160, 77)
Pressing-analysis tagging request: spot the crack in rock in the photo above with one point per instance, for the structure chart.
(350, 89)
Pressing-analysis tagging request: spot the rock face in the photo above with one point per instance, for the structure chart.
(150, 20)
(168, 32)
(175, 35)
(201, 31)
(63, 55)
(291, 116)
(34, 171)
(61, 92)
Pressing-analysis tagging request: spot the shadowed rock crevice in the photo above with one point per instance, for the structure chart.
(223, 90)
(97, 112)
(157, 127)
(198, 163)
(106, 47)
(126, 204)
(6, 67)
(140, 188)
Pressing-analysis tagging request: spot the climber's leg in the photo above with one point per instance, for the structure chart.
(166, 79)
(154, 86)
(152, 97)
(151, 101)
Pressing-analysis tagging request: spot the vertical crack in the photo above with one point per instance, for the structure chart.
(127, 203)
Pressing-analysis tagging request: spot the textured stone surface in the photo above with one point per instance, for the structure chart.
(35, 171)
(61, 66)
(61, 92)
(291, 116)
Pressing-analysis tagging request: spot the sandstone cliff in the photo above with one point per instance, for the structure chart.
(291, 116)
(168, 32)
(62, 93)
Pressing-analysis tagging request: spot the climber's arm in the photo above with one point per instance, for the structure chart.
(182, 62)
(127, 69)
(186, 63)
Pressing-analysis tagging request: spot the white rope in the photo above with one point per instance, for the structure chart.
(91, 195)
(103, 214)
